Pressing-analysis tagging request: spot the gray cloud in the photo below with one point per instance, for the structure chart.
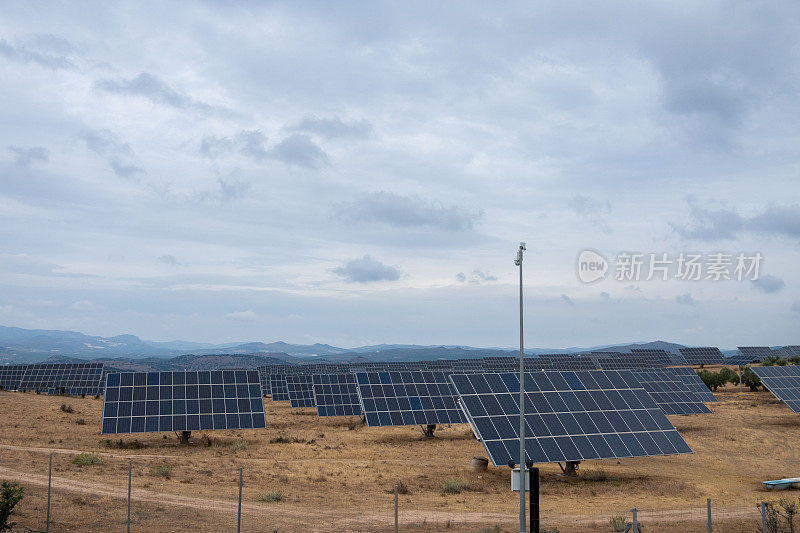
(567, 300)
(365, 270)
(685, 299)
(476, 278)
(28, 53)
(334, 128)
(605, 296)
(715, 224)
(407, 211)
(250, 143)
(768, 283)
(154, 89)
(168, 260)
(125, 170)
(592, 210)
(298, 149)
(460, 277)
(25, 156)
(105, 142)
(796, 306)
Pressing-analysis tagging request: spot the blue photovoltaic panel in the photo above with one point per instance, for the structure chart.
(656, 358)
(147, 402)
(783, 382)
(690, 378)
(574, 416)
(757, 353)
(301, 390)
(336, 395)
(407, 398)
(670, 393)
(702, 356)
(739, 360)
(11, 376)
(68, 378)
(263, 377)
(277, 386)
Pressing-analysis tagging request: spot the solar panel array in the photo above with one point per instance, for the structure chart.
(11, 376)
(757, 353)
(670, 393)
(623, 363)
(791, 351)
(570, 416)
(278, 388)
(68, 378)
(739, 360)
(702, 356)
(146, 402)
(783, 382)
(407, 398)
(656, 358)
(690, 378)
(336, 395)
(300, 388)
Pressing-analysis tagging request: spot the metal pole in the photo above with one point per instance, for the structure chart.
(49, 483)
(521, 408)
(129, 495)
(396, 524)
(534, 475)
(763, 518)
(708, 503)
(635, 525)
(239, 519)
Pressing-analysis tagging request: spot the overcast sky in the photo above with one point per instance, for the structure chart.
(358, 173)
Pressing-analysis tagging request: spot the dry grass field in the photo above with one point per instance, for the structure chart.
(338, 475)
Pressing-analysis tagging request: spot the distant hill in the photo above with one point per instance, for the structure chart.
(21, 346)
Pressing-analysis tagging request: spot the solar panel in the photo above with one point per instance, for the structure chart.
(739, 360)
(301, 390)
(702, 356)
(146, 402)
(670, 393)
(68, 378)
(656, 357)
(758, 353)
(407, 398)
(277, 386)
(263, 377)
(570, 416)
(336, 395)
(570, 363)
(791, 351)
(11, 376)
(783, 382)
(690, 378)
(622, 363)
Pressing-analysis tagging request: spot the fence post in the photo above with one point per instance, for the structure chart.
(708, 504)
(49, 482)
(239, 519)
(396, 523)
(533, 474)
(763, 518)
(635, 527)
(129, 495)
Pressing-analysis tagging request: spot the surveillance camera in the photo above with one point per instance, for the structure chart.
(522, 246)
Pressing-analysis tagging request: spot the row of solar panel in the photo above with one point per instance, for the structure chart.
(67, 378)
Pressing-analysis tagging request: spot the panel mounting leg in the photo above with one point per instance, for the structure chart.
(428, 430)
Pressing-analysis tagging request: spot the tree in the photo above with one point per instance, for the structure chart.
(728, 375)
(795, 360)
(10, 495)
(774, 360)
(750, 379)
(713, 380)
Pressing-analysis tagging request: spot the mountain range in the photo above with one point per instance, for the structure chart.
(24, 346)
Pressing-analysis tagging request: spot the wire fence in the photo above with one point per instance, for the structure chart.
(55, 502)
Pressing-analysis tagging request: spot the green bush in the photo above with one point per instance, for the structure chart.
(774, 360)
(455, 486)
(795, 360)
(271, 497)
(163, 470)
(85, 459)
(713, 380)
(10, 495)
(617, 523)
(239, 445)
(750, 379)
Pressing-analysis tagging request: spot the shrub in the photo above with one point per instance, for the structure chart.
(728, 375)
(67, 408)
(85, 459)
(135, 444)
(750, 379)
(712, 379)
(774, 360)
(240, 445)
(80, 422)
(795, 360)
(271, 497)
(10, 495)
(455, 486)
(617, 523)
(598, 475)
(163, 470)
